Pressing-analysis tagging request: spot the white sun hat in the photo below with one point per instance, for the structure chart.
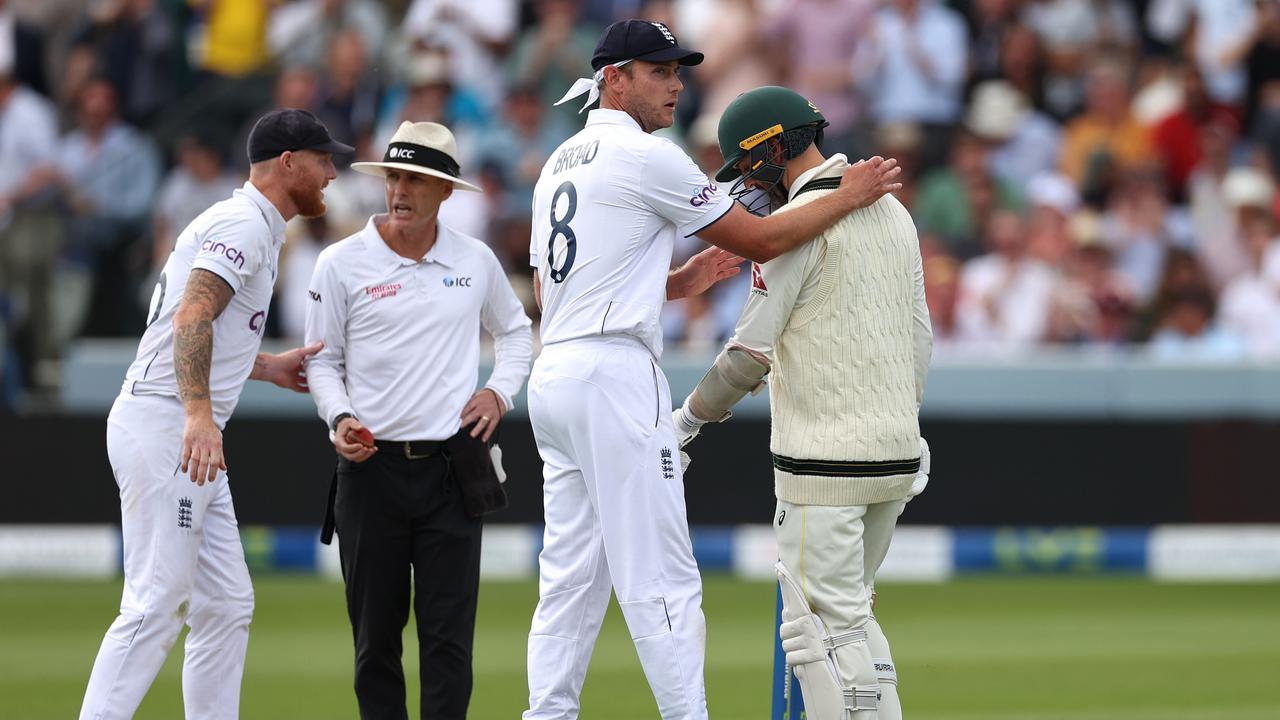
(1247, 186)
(997, 110)
(425, 148)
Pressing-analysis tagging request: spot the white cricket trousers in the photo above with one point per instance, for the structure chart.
(183, 564)
(834, 552)
(613, 496)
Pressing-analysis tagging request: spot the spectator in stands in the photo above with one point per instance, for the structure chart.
(134, 44)
(302, 32)
(691, 325)
(107, 174)
(912, 67)
(1092, 303)
(1022, 65)
(815, 43)
(476, 33)
(1139, 228)
(1251, 302)
(352, 197)
(199, 180)
(1023, 142)
(549, 55)
(1182, 274)
(1003, 297)
(30, 231)
(429, 95)
(1072, 32)
(989, 23)
(306, 238)
(1105, 138)
(1177, 137)
(1052, 199)
(730, 39)
(1187, 332)
(349, 92)
(232, 36)
(1263, 107)
(1224, 32)
(22, 50)
(953, 201)
(1212, 218)
(941, 290)
(519, 144)
(904, 141)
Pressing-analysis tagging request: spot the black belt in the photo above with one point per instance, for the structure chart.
(412, 449)
(837, 468)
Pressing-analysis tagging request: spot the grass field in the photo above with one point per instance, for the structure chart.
(1009, 649)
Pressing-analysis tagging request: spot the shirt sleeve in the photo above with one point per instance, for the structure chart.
(234, 249)
(778, 287)
(533, 240)
(676, 189)
(327, 321)
(504, 318)
(922, 332)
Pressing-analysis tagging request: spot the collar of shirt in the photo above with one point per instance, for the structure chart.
(444, 251)
(833, 165)
(275, 221)
(605, 116)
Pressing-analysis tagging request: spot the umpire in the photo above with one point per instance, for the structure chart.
(399, 306)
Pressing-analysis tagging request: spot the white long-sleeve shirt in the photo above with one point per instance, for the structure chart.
(402, 336)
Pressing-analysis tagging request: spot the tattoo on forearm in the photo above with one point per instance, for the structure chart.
(204, 299)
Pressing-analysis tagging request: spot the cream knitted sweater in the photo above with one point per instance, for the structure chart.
(846, 381)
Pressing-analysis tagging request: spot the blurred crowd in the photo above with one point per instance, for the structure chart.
(1083, 172)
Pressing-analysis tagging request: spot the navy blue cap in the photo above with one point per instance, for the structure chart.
(640, 40)
(290, 130)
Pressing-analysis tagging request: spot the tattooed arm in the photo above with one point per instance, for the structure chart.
(204, 299)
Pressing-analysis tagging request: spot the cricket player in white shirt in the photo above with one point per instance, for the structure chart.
(183, 562)
(606, 212)
(841, 325)
(399, 307)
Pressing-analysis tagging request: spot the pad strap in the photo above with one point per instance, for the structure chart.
(831, 642)
(862, 698)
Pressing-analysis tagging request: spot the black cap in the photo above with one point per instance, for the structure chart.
(288, 129)
(640, 40)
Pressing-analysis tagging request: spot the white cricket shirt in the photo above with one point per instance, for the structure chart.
(402, 337)
(606, 211)
(238, 240)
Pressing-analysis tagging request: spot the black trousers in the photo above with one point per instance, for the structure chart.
(394, 514)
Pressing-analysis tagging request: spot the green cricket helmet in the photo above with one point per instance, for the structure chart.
(751, 121)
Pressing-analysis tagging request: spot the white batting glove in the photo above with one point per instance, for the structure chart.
(922, 475)
(687, 425)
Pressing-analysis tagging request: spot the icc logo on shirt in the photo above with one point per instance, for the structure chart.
(450, 281)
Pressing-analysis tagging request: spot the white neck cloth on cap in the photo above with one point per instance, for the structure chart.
(590, 85)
